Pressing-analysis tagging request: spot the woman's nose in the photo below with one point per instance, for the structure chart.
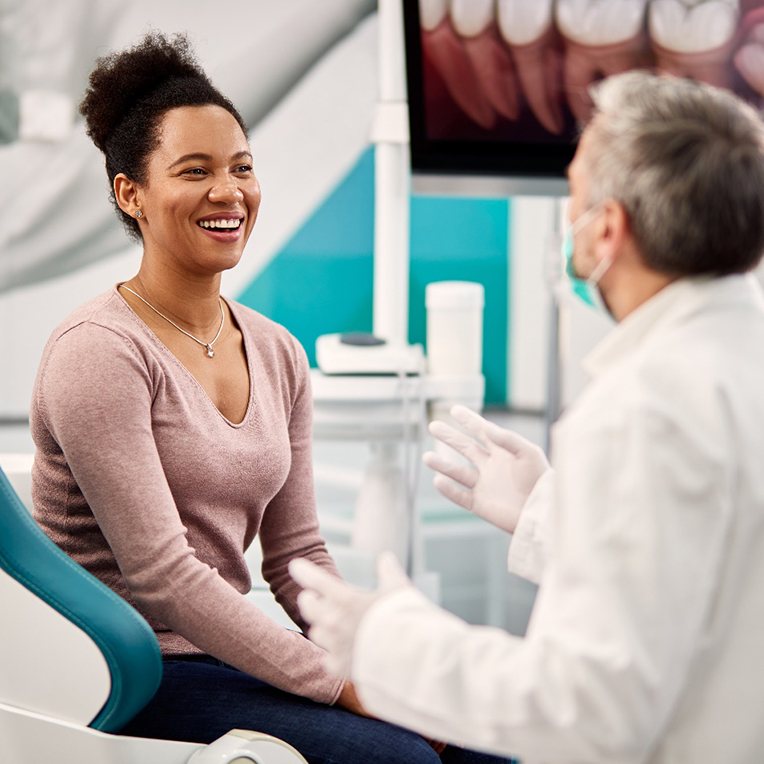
(226, 191)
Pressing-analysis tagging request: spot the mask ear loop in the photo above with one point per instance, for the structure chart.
(599, 271)
(584, 218)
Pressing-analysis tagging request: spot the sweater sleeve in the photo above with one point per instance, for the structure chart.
(289, 528)
(100, 414)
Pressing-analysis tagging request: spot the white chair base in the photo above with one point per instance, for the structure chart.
(29, 738)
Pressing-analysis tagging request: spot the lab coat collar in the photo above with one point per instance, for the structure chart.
(671, 305)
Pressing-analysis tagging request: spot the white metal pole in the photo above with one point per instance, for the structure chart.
(392, 181)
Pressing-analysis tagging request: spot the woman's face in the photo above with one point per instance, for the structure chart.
(201, 197)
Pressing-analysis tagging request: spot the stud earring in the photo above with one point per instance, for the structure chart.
(138, 214)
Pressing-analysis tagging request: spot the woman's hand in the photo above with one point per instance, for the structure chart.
(348, 699)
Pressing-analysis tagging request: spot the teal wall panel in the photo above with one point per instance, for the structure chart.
(321, 281)
(464, 240)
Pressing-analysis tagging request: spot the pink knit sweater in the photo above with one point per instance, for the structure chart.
(142, 480)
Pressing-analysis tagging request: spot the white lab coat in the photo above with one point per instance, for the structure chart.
(646, 643)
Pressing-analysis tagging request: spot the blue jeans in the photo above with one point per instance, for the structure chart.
(201, 699)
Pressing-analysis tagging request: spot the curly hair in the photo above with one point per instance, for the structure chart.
(129, 93)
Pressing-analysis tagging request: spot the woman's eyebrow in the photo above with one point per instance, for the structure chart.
(206, 158)
(188, 157)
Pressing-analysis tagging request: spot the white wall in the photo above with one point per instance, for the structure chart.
(29, 315)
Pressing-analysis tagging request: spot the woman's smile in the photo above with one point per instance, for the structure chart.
(222, 227)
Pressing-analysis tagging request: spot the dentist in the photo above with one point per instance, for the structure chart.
(647, 538)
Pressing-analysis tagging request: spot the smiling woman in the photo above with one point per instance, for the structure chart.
(200, 197)
(173, 427)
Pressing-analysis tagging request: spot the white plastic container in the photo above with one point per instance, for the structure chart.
(454, 328)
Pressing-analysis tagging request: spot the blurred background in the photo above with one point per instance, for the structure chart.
(304, 76)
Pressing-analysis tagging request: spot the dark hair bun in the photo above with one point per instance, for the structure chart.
(123, 79)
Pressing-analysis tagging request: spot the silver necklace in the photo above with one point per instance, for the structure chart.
(207, 345)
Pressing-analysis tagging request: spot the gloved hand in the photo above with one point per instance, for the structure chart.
(503, 468)
(335, 608)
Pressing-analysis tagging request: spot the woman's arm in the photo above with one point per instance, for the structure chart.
(289, 527)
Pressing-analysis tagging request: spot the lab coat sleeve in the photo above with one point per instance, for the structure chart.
(640, 519)
(529, 550)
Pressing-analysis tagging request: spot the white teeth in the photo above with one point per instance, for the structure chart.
(600, 22)
(522, 22)
(471, 17)
(686, 26)
(431, 13)
(227, 223)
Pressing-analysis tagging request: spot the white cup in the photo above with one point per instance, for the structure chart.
(454, 328)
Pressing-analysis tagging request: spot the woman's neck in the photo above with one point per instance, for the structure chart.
(191, 301)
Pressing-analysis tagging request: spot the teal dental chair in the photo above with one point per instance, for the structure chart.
(77, 662)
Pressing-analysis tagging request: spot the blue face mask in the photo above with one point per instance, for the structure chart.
(585, 289)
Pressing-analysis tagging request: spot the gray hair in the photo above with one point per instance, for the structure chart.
(686, 160)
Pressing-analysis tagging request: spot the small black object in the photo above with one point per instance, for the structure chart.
(363, 339)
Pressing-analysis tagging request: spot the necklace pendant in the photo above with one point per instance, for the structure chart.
(210, 351)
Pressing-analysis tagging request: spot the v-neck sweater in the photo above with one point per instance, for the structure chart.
(140, 479)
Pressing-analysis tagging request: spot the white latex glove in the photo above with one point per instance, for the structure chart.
(334, 609)
(503, 468)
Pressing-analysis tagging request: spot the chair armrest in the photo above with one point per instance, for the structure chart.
(243, 747)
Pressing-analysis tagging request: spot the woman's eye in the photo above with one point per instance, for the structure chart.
(195, 171)
(244, 168)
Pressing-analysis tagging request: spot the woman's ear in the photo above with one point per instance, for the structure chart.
(127, 194)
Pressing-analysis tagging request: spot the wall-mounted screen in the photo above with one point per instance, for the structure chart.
(499, 87)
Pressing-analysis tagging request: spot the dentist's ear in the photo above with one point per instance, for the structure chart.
(127, 194)
(612, 230)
